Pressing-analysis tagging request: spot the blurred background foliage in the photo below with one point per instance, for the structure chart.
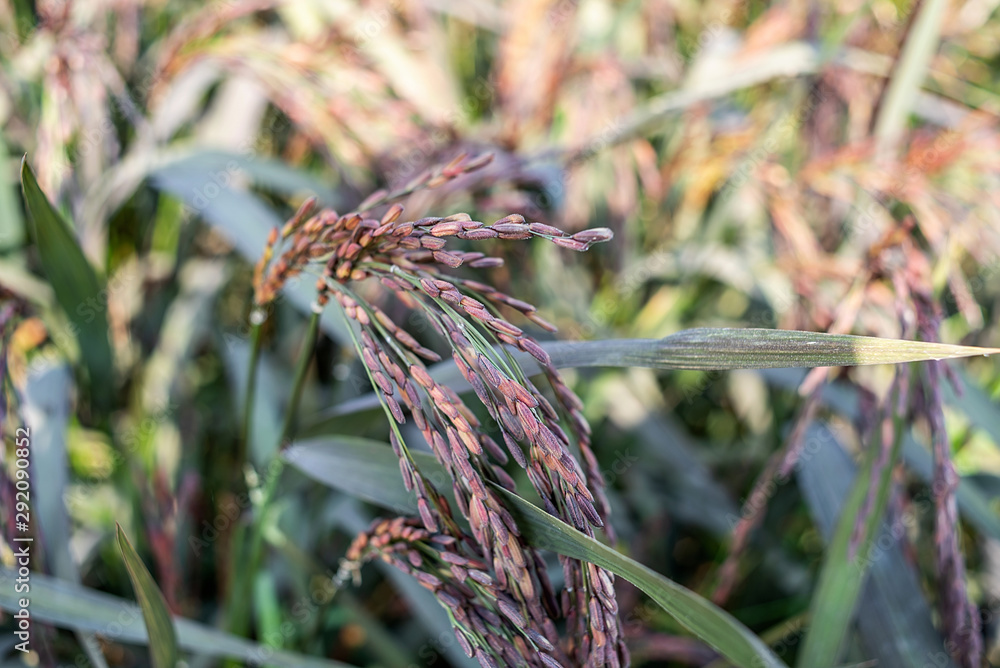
(770, 165)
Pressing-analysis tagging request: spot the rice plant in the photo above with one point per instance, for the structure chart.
(407, 333)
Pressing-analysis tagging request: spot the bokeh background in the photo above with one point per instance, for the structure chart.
(810, 165)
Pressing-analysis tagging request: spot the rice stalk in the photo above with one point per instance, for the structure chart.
(494, 585)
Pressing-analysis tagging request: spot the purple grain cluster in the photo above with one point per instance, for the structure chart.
(495, 586)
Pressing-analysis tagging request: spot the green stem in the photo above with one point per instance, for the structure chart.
(256, 325)
(240, 600)
(305, 356)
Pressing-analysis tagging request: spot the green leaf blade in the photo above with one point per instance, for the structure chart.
(703, 618)
(75, 284)
(68, 605)
(720, 349)
(704, 349)
(159, 622)
(842, 575)
(369, 470)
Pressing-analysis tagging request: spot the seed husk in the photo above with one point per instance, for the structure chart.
(549, 661)
(487, 263)
(532, 348)
(463, 642)
(515, 450)
(478, 234)
(504, 327)
(570, 243)
(515, 235)
(397, 412)
(485, 660)
(446, 229)
(511, 612)
(595, 235)
(432, 243)
(427, 518)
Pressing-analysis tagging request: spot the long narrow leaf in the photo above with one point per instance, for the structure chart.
(77, 288)
(894, 622)
(706, 349)
(703, 618)
(843, 574)
(370, 470)
(363, 469)
(159, 623)
(46, 410)
(72, 606)
(711, 349)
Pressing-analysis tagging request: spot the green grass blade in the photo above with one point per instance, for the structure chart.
(159, 623)
(711, 349)
(72, 606)
(705, 349)
(369, 470)
(364, 469)
(842, 575)
(894, 619)
(77, 288)
(701, 617)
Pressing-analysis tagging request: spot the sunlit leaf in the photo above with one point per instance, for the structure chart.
(724, 348)
(704, 349)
